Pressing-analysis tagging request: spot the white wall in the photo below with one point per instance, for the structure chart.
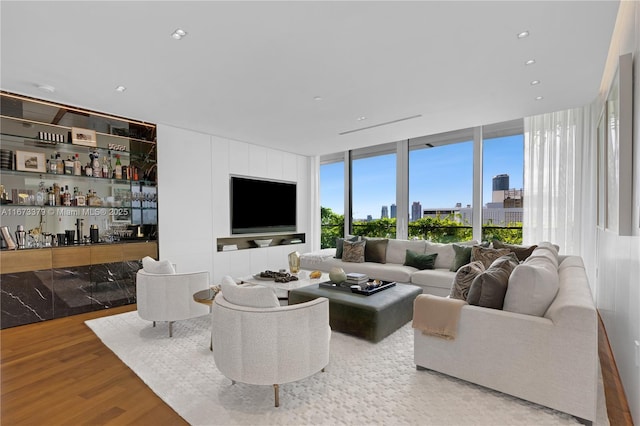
(618, 282)
(193, 203)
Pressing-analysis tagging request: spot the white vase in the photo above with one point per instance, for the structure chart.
(337, 275)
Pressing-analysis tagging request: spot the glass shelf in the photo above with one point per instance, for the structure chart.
(20, 142)
(51, 176)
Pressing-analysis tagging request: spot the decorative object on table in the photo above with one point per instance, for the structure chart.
(337, 275)
(31, 161)
(294, 262)
(372, 287)
(279, 277)
(356, 278)
(315, 274)
(263, 243)
(84, 137)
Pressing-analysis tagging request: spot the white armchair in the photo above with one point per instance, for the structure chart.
(270, 345)
(169, 297)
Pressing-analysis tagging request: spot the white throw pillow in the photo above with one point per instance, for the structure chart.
(532, 287)
(397, 249)
(254, 296)
(152, 266)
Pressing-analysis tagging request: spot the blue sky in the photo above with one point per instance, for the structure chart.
(438, 177)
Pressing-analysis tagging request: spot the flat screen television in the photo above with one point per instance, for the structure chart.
(262, 206)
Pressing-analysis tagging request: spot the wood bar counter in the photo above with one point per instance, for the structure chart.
(47, 283)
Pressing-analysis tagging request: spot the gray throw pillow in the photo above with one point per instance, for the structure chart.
(487, 255)
(420, 261)
(353, 251)
(340, 245)
(489, 288)
(522, 252)
(376, 250)
(464, 278)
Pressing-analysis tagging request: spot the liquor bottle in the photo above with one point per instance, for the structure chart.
(56, 194)
(66, 196)
(52, 197)
(77, 166)
(53, 166)
(68, 166)
(41, 195)
(105, 168)
(97, 170)
(118, 167)
(59, 164)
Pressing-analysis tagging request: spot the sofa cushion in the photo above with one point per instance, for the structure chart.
(464, 278)
(353, 251)
(445, 252)
(420, 261)
(439, 278)
(252, 296)
(397, 249)
(340, 244)
(375, 250)
(487, 255)
(522, 252)
(152, 266)
(532, 287)
(547, 251)
(489, 288)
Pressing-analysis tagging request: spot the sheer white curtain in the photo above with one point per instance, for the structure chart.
(557, 183)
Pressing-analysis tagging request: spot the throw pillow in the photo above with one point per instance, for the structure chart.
(353, 251)
(420, 261)
(533, 285)
(522, 252)
(445, 254)
(375, 250)
(340, 244)
(464, 278)
(487, 255)
(251, 296)
(153, 266)
(397, 249)
(462, 256)
(489, 288)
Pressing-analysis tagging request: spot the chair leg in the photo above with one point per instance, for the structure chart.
(322, 370)
(276, 392)
(233, 382)
(154, 323)
(170, 328)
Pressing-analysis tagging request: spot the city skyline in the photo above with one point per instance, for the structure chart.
(439, 177)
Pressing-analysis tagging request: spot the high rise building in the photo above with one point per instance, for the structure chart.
(385, 212)
(500, 184)
(394, 211)
(416, 211)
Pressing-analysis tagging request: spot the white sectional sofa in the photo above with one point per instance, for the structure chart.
(433, 281)
(550, 360)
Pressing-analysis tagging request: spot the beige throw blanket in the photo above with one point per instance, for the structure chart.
(437, 316)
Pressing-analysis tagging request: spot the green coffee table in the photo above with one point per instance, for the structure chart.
(371, 317)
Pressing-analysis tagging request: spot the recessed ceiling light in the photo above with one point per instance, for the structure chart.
(530, 62)
(361, 118)
(535, 82)
(46, 88)
(523, 34)
(317, 98)
(178, 34)
(539, 98)
(120, 89)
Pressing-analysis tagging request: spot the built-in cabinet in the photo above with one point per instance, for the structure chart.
(78, 208)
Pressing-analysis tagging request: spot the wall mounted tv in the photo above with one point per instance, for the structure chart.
(262, 206)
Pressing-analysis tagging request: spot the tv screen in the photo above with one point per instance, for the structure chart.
(262, 206)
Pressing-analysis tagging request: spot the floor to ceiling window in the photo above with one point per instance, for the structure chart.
(503, 193)
(439, 171)
(441, 187)
(331, 202)
(373, 194)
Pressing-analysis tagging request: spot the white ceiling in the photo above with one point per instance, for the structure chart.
(249, 71)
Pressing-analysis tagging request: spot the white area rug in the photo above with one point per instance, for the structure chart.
(365, 383)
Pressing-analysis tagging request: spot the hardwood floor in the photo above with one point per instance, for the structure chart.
(59, 373)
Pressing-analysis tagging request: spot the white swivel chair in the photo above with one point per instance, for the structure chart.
(259, 342)
(168, 296)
